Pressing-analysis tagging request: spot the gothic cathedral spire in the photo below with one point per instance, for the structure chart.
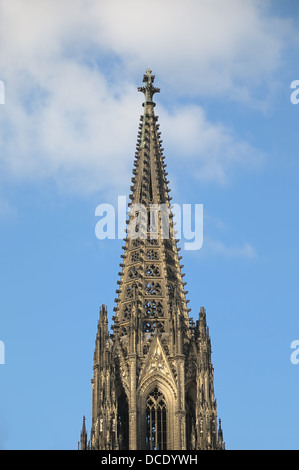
(153, 377)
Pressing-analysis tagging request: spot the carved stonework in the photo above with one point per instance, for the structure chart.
(153, 377)
(156, 362)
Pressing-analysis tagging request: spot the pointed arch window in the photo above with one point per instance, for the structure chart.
(156, 421)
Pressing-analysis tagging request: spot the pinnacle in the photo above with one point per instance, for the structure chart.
(151, 277)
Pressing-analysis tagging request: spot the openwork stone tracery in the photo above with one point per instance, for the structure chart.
(153, 376)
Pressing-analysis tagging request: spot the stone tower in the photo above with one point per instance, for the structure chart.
(153, 377)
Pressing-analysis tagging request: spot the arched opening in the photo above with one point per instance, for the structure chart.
(156, 421)
(191, 435)
(123, 422)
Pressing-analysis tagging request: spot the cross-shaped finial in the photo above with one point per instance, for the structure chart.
(149, 90)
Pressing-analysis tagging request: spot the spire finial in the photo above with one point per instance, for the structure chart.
(149, 90)
(83, 437)
(83, 425)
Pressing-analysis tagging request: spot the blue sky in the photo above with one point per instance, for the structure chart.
(68, 132)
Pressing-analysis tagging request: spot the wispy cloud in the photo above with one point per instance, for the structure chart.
(217, 247)
(212, 150)
(71, 71)
(6, 209)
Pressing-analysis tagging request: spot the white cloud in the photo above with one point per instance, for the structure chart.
(218, 247)
(77, 132)
(211, 149)
(216, 47)
(70, 69)
(215, 222)
(6, 209)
